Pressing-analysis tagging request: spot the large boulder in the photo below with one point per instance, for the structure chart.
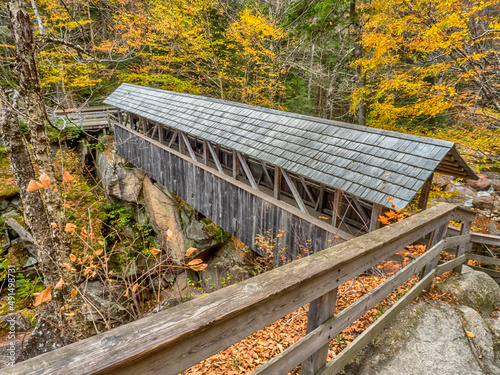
(163, 212)
(228, 265)
(119, 180)
(437, 338)
(422, 340)
(487, 202)
(483, 183)
(474, 289)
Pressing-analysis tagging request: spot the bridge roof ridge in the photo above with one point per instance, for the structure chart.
(373, 164)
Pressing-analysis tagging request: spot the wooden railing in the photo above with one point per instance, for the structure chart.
(87, 118)
(178, 338)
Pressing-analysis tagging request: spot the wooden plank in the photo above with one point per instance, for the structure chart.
(336, 207)
(205, 152)
(177, 338)
(266, 172)
(424, 193)
(172, 141)
(188, 146)
(295, 193)
(321, 199)
(486, 239)
(292, 356)
(247, 171)
(352, 350)
(492, 273)
(465, 247)
(214, 156)
(311, 196)
(484, 259)
(320, 310)
(437, 236)
(450, 265)
(277, 182)
(360, 211)
(374, 217)
(236, 165)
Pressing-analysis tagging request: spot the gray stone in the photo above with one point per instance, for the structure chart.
(118, 181)
(487, 202)
(163, 213)
(105, 301)
(228, 265)
(11, 213)
(474, 289)
(483, 183)
(481, 339)
(422, 340)
(15, 320)
(30, 262)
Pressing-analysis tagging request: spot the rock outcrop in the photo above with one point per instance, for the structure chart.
(437, 338)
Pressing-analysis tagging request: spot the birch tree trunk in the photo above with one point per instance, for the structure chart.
(43, 208)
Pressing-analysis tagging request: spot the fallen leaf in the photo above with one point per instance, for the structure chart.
(195, 262)
(84, 232)
(53, 225)
(34, 185)
(155, 251)
(134, 287)
(190, 251)
(100, 243)
(470, 334)
(66, 205)
(200, 267)
(59, 284)
(169, 234)
(67, 177)
(53, 187)
(70, 228)
(44, 296)
(72, 313)
(74, 292)
(45, 180)
(72, 257)
(99, 252)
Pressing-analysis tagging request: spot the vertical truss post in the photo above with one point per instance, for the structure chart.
(277, 182)
(336, 209)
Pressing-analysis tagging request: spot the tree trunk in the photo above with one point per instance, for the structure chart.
(43, 208)
(358, 53)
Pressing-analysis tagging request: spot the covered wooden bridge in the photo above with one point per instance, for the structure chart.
(305, 181)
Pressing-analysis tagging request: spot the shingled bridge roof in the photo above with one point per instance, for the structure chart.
(377, 165)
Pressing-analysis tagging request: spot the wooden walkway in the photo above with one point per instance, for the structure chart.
(89, 119)
(173, 340)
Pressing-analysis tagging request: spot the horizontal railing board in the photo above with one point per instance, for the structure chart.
(486, 239)
(175, 339)
(484, 259)
(304, 348)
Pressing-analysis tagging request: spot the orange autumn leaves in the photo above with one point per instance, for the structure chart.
(45, 182)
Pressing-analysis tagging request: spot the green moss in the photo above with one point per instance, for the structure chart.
(215, 232)
(8, 187)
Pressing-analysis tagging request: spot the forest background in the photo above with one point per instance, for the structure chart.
(428, 67)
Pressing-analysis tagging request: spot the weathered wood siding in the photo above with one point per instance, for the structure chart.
(241, 212)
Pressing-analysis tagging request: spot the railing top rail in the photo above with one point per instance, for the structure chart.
(175, 339)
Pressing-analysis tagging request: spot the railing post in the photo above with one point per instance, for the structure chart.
(320, 310)
(463, 248)
(436, 236)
